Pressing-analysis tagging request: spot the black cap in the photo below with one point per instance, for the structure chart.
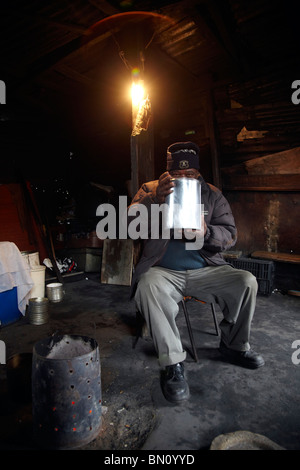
(183, 155)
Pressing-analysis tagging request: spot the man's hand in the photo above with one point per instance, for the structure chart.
(165, 185)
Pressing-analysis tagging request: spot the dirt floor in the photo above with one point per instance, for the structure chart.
(135, 416)
(128, 415)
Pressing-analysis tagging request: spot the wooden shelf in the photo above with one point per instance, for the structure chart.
(283, 257)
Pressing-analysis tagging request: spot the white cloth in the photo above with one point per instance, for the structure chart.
(15, 272)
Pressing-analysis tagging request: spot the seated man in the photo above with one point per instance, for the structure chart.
(166, 272)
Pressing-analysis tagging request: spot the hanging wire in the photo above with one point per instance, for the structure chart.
(124, 60)
(151, 39)
(121, 53)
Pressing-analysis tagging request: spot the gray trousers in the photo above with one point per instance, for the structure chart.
(159, 291)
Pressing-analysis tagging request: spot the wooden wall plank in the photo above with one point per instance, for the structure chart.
(117, 262)
(261, 182)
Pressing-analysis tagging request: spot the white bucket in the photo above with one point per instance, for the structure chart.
(31, 258)
(34, 260)
(38, 276)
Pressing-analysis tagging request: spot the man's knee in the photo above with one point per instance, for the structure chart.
(248, 280)
(148, 283)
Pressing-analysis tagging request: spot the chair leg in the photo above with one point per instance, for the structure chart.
(215, 319)
(187, 318)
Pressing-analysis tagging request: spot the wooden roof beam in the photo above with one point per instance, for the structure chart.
(104, 7)
(216, 28)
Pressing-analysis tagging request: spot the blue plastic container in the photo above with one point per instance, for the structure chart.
(9, 312)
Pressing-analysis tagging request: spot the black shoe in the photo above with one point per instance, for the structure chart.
(174, 386)
(249, 359)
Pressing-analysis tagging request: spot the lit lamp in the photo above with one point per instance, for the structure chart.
(141, 108)
(137, 93)
(141, 141)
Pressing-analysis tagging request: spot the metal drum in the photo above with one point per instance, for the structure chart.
(66, 391)
(184, 205)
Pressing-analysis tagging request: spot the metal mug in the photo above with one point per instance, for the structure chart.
(55, 292)
(184, 205)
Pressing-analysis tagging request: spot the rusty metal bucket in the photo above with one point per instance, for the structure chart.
(66, 391)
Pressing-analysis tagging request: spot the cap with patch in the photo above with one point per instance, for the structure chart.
(182, 156)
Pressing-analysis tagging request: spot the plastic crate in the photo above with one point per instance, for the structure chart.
(262, 270)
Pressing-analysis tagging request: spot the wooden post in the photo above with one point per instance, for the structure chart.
(142, 158)
(214, 144)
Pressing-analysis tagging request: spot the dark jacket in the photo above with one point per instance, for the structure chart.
(220, 236)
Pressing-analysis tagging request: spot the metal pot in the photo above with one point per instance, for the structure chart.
(184, 205)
